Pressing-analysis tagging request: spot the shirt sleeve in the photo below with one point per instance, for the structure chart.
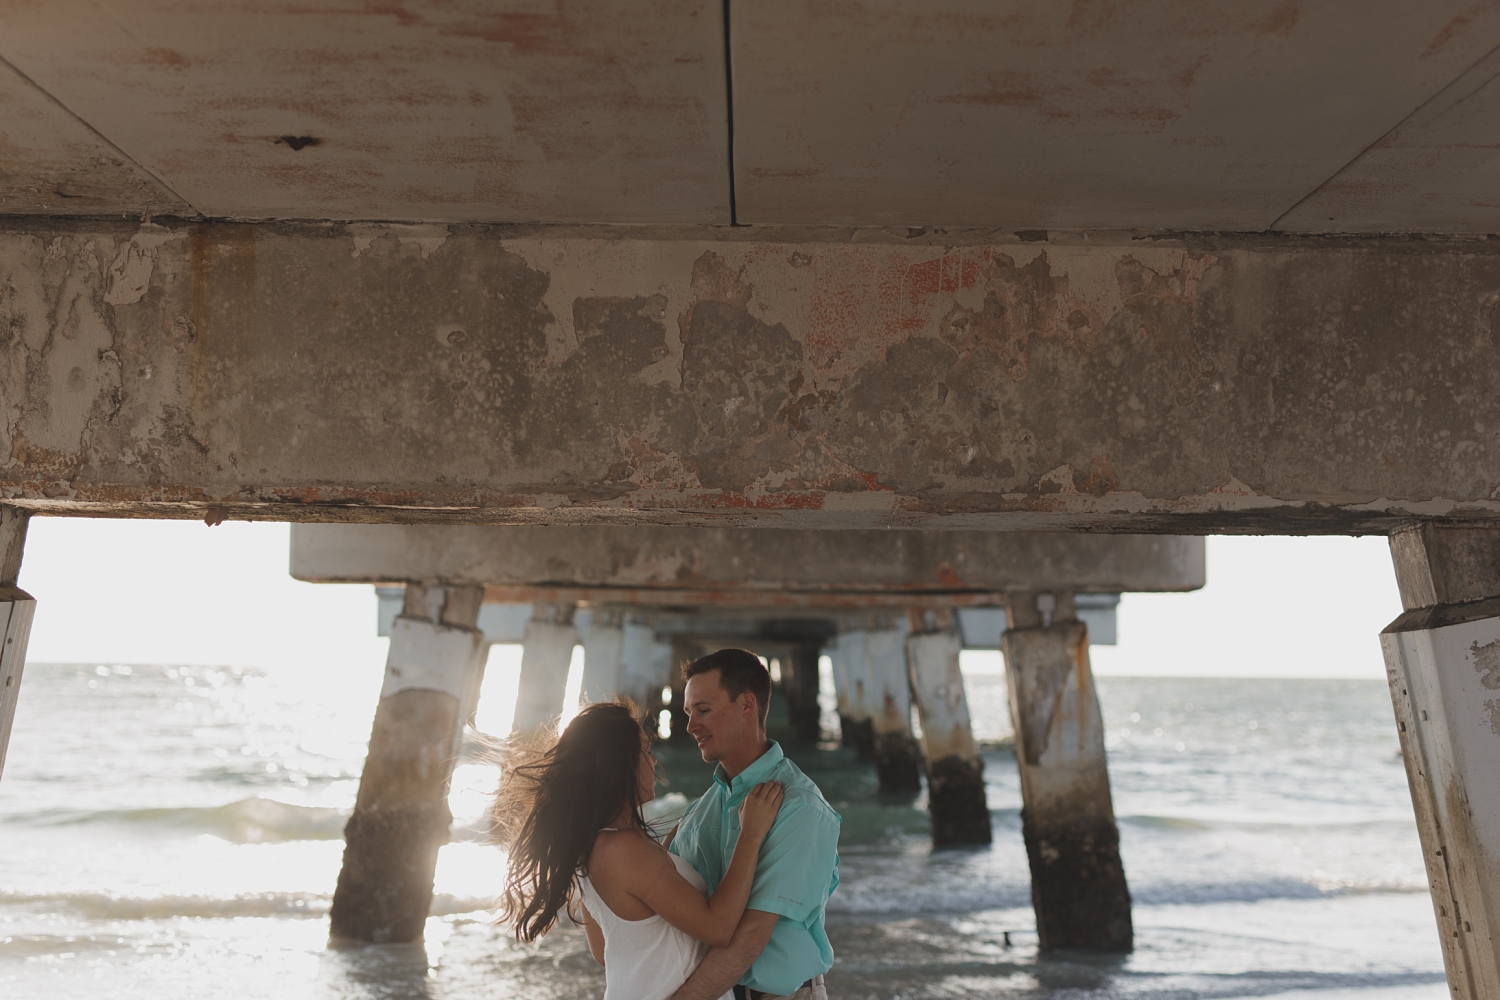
(798, 862)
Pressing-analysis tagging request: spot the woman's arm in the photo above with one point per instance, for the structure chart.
(595, 934)
(713, 921)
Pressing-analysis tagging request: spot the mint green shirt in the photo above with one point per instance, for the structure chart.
(797, 871)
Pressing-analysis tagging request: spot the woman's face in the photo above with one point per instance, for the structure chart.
(645, 775)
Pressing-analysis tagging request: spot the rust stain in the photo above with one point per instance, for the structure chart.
(169, 58)
(399, 11)
(1456, 27)
(771, 173)
(947, 577)
(1102, 478)
(529, 33)
(1103, 94)
(1281, 19)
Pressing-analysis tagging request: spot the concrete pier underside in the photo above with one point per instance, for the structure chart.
(813, 378)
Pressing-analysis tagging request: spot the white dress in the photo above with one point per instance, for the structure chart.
(645, 959)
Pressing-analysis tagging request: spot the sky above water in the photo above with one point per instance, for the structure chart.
(180, 592)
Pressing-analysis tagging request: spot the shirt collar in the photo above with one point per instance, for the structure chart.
(752, 775)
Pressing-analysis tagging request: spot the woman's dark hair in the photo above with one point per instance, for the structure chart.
(555, 795)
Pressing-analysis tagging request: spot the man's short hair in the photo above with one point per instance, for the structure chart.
(739, 671)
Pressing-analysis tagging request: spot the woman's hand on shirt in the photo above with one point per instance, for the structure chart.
(758, 810)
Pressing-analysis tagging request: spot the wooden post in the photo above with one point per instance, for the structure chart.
(1443, 662)
(546, 653)
(1078, 884)
(16, 610)
(602, 652)
(851, 685)
(401, 816)
(955, 773)
(799, 681)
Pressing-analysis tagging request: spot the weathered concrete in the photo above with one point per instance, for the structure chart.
(645, 668)
(546, 653)
(602, 652)
(851, 684)
(955, 772)
(1078, 884)
(1443, 662)
(401, 815)
(898, 759)
(1200, 116)
(803, 378)
(1210, 116)
(744, 565)
(799, 685)
(16, 611)
(587, 110)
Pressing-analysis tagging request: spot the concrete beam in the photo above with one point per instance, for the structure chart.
(740, 565)
(812, 378)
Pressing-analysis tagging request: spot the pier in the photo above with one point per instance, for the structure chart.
(792, 594)
(644, 338)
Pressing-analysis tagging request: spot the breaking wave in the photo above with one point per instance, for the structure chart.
(247, 821)
(102, 906)
(875, 896)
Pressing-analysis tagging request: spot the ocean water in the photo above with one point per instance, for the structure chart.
(173, 832)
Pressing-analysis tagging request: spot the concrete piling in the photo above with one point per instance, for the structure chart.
(16, 611)
(685, 649)
(546, 652)
(850, 660)
(602, 655)
(799, 683)
(898, 759)
(1078, 886)
(643, 671)
(401, 815)
(1443, 663)
(955, 773)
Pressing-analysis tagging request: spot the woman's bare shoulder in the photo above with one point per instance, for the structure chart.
(626, 851)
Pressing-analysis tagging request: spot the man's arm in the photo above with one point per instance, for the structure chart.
(721, 968)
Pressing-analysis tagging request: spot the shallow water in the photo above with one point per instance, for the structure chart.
(175, 832)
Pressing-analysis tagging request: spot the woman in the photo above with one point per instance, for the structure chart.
(571, 814)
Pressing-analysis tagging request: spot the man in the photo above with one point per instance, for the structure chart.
(780, 948)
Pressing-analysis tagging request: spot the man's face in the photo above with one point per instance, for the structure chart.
(721, 725)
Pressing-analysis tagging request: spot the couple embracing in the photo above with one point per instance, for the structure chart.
(731, 904)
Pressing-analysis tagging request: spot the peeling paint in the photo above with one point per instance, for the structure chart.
(477, 374)
(427, 239)
(131, 271)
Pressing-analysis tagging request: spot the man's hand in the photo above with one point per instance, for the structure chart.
(721, 968)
